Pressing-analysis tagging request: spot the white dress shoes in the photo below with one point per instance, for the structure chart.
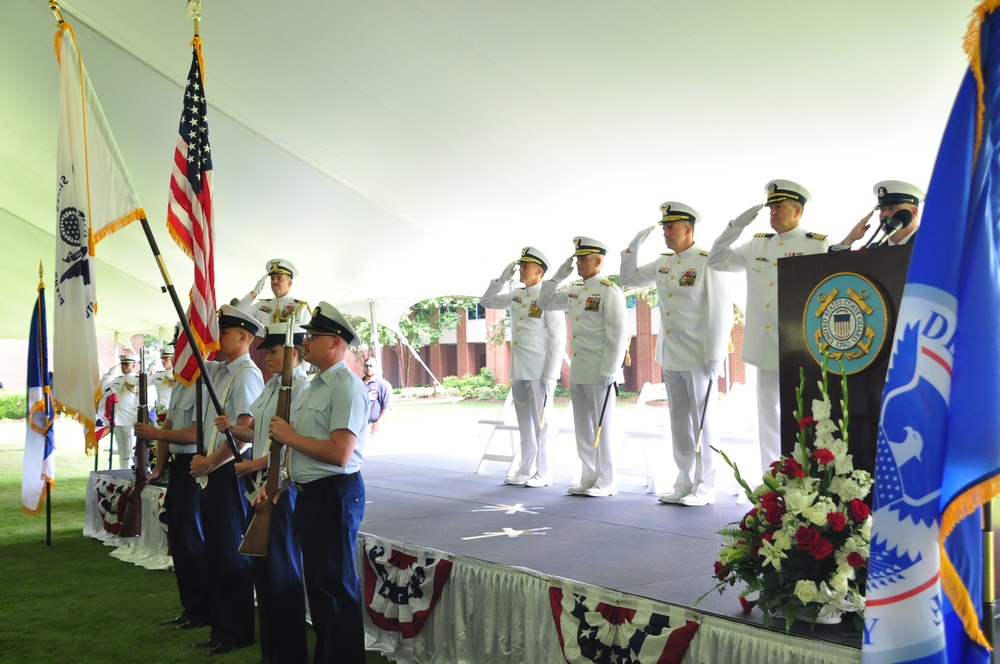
(515, 480)
(537, 480)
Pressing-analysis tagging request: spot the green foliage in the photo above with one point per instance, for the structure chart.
(429, 318)
(482, 387)
(13, 406)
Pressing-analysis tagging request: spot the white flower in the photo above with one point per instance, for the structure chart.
(806, 591)
(772, 554)
(796, 500)
(826, 426)
(839, 584)
(821, 408)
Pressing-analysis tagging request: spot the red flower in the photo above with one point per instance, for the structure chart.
(855, 559)
(806, 421)
(746, 604)
(792, 468)
(837, 520)
(721, 572)
(858, 510)
(821, 549)
(822, 457)
(806, 538)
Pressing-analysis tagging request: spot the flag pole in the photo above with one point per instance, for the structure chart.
(45, 369)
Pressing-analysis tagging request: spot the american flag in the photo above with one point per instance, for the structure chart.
(189, 219)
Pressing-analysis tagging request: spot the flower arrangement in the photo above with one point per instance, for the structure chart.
(803, 547)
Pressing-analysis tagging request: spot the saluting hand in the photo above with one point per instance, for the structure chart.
(564, 270)
(858, 231)
(640, 238)
(259, 288)
(508, 272)
(747, 217)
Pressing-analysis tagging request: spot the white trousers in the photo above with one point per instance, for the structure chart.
(768, 417)
(529, 397)
(686, 395)
(125, 442)
(597, 462)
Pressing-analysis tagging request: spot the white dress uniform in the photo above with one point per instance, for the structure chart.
(276, 310)
(599, 340)
(538, 342)
(126, 387)
(164, 382)
(759, 259)
(696, 314)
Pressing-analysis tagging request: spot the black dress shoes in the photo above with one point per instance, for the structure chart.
(222, 649)
(179, 620)
(205, 645)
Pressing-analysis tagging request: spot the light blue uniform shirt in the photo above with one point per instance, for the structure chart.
(334, 399)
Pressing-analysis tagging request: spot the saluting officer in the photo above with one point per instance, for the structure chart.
(696, 314)
(538, 341)
(327, 443)
(164, 381)
(125, 389)
(599, 334)
(280, 272)
(891, 196)
(759, 259)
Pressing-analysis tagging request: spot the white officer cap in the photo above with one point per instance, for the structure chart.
(327, 318)
(674, 211)
(281, 266)
(533, 255)
(167, 351)
(127, 356)
(786, 190)
(897, 192)
(588, 245)
(230, 316)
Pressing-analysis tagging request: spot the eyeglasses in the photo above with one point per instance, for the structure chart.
(369, 366)
(312, 335)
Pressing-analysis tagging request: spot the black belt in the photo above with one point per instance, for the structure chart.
(333, 480)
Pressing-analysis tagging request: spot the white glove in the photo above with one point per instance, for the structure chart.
(715, 368)
(549, 385)
(606, 379)
(259, 288)
(640, 238)
(564, 270)
(508, 272)
(744, 219)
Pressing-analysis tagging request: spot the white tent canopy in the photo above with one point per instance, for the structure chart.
(398, 149)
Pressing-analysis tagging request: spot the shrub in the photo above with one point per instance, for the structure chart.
(481, 387)
(13, 406)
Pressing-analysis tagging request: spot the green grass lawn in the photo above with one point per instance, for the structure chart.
(73, 602)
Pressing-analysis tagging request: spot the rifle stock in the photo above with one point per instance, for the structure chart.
(132, 520)
(258, 532)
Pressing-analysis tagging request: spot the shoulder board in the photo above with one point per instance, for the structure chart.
(764, 235)
(578, 282)
(668, 253)
(703, 253)
(608, 282)
(816, 236)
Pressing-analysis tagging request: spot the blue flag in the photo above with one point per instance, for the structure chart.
(938, 454)
(39, 466)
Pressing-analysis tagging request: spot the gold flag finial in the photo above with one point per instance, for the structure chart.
(193, 12)
(54, 6)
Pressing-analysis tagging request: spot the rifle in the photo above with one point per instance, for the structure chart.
(132, 521)
(258, 532)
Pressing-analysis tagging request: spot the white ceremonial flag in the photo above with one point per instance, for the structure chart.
(94, 197)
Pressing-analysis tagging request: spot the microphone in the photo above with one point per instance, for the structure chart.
(897, 222)
(234, 302)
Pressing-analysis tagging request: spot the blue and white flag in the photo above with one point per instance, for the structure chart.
(938, 453)
(39, 467)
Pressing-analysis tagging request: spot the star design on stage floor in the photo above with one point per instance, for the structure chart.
(509, 532)
(509, 509)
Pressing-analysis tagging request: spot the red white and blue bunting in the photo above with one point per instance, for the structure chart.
(402, 588)
(605, 627)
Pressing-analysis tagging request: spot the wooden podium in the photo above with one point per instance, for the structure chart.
(813, 295)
